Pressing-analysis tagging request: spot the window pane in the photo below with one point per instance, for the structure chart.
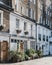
(25, 24)
(39, 37)
(17, 23)
(43, 37)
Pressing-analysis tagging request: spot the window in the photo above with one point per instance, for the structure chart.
(34, 1)
(41, 19)
(25, 25)
(13, 40)
(17, 23)
(30, 0)
(32, 44)
(33, 14)
(25, 45)
(21, 9)
(29, 12)
(46, 21)
(43, 37)
(31, 29)
(51, 33)
(48, 12)
(47, 38)
(39, 37)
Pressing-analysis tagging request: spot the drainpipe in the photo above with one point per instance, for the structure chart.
(36, 36)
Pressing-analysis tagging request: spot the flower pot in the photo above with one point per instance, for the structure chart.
(18, 31)
(26, 32)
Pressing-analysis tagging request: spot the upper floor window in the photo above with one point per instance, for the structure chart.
(47, 38)
(43, 37)
(51, 33)
(34, 1)
(46, 21)
(17, 23)
(31, 29)
(21, 9)
(30, 0)
(29, 12)
(39, 37)
(33, 14)
(48, 13)
(25, 25)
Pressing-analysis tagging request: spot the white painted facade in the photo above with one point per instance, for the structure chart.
(21, 36)
(43, 43)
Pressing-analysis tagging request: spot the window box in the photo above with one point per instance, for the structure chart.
(18, 30)
(1, 27)
(25, 32)
(31, 37)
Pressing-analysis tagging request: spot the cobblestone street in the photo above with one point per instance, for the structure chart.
(41, 61)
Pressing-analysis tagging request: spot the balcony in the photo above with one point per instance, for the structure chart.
(6, 4)
(18, 30)
(26, 32)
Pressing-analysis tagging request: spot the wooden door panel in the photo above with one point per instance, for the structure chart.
(4, 49)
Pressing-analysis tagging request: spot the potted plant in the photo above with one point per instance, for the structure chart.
(25, 32)
(30, 53)
(18, 30)
(27, 57)
(13, 56)
(39, 53)
(20, 57)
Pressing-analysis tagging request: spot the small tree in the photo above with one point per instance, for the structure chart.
(39, 53)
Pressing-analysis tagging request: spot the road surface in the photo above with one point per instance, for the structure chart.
(41, 61)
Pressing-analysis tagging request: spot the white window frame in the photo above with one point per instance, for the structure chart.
(16, 23)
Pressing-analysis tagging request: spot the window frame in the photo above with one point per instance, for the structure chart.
(18, 23)
(39, 37)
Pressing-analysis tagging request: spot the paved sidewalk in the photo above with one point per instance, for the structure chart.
(41, 61)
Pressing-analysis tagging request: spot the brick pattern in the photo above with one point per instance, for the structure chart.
(6, 21)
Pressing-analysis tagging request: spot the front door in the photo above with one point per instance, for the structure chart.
(4, 51)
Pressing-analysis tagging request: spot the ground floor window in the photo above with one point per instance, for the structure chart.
(32, 44)
(25, 45)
